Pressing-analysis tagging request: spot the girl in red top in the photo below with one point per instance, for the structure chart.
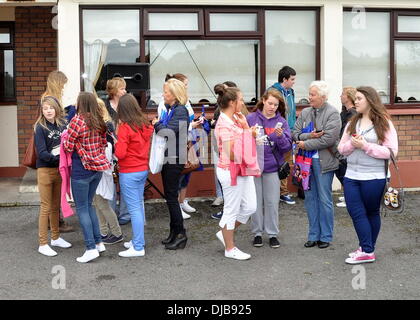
(132, 150)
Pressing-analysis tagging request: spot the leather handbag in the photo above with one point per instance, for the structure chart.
(284, 169)
(29, 160)
(393, 198)
(193, 162)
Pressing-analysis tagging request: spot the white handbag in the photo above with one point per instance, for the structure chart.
(157, 153)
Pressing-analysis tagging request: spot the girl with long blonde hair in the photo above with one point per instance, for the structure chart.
(48, 128)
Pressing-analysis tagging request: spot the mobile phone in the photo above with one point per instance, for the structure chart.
(318, 131)
(278, 125)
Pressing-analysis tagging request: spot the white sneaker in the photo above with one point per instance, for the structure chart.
(185, 216)
(100, 247)
(361, 257)
(237, 254)
(89, 255)
(341, 199)
(341, 205)
(187, 208)
(217, 202)
(47, 251)
(128, 244)
(131, 252)
(352, 254)
(219, 236)
(60, 243)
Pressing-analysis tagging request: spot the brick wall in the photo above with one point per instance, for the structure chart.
(36, 57)
(408, 129)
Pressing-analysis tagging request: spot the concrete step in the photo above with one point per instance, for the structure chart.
(29, 182)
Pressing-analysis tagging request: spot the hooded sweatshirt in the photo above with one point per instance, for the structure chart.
(281, 144)
(289, 98)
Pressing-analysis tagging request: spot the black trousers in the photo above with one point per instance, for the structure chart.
(171, 174)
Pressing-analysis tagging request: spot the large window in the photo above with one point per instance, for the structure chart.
(7, 63)
(295, 47)
(382, 50)
(407, 57)
(109, 36)
(209, 45)
(366, 52)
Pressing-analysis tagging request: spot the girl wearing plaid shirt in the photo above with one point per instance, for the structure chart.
(87, 141)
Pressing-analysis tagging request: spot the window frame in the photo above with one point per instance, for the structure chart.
(396, 36)
(147, 32)
(257, 33)
(9, 46)
(205, 34)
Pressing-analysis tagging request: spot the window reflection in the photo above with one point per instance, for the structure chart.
(295, 47)
(407, 57)
(205, 63)
(366, 53)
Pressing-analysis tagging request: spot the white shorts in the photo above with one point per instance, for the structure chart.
(239, 202)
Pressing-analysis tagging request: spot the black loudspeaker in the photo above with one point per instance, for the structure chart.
(136, 75)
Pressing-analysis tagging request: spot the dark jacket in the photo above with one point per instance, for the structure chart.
(45, 141)
(177, 127)
(346, 115)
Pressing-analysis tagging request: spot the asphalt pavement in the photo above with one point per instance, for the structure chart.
(201, 271)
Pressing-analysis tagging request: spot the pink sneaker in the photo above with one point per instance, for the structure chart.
(351, 254)
(361, 257)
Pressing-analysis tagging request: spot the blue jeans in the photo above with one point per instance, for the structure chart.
(132, 189)
(363, 200)
(319, 204)
(83, 192)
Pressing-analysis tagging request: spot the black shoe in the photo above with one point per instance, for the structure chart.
(113, 239)
(105, 237)
(179, 242)
(170, 238)
(274, 242)
(323, 245)
(310, 244)
(301, 194)
(258, 241)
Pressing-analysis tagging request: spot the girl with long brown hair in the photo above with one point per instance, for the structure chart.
(275, 142)
(87, 142)
(239, 196)
(132, 151)
(367, 142)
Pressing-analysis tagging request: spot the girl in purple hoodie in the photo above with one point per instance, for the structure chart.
(273, 141)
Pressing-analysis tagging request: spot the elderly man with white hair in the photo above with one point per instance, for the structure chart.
(323, 139)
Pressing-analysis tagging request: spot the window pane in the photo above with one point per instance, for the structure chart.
(233, 22)
(109, 36)
(4, 35)
(295, 48)
(173, 21)
(407, 57)
(409, 24)
(366, 53)
(205, 63)
(7, 83)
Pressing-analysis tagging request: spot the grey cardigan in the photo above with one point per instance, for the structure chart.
(327, 119)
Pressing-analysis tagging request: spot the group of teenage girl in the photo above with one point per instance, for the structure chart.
(94, 133)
